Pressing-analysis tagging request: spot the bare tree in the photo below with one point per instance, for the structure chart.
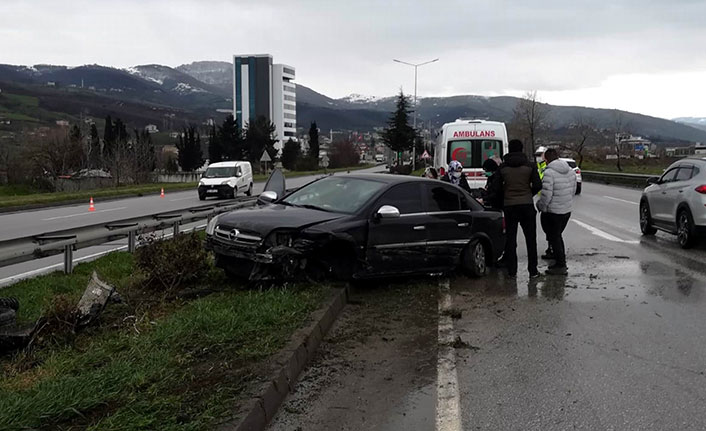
(584, 132)
(620, 128)
(529, 119)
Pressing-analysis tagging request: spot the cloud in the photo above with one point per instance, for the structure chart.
(497, 47)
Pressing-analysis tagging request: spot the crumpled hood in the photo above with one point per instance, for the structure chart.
(560, 166)
(514, 160)
(263, 220)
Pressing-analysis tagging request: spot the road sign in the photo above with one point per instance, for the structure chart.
(265, 157)
(426, 155)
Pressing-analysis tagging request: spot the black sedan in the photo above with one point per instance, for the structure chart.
(358, 226)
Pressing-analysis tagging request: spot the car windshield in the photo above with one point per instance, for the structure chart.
(336, 194)
(472, 153)
(220, 172)
(571, 164)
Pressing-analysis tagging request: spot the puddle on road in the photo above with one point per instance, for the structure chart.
(607, 279)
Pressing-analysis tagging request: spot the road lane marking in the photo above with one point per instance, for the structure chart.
(602, 234)
(83, 214)
(448, 410)
(621, 200)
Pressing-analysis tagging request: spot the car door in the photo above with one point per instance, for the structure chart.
(675, 191)
(398, 245)
(658, 196)
(448, 226)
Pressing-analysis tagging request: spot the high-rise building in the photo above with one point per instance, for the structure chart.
(263, 88)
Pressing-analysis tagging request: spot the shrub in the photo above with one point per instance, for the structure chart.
(307, 164)
(344, 155)
(171, 264)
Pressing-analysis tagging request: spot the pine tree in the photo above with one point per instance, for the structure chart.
(215, 149)
(291, 154)
(260, 136)
(230, 137)
(399, 136)
(190, 156)
(314, 141)
(94, 148)
(108, 138)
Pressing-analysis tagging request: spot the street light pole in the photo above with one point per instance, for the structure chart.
(414, 119)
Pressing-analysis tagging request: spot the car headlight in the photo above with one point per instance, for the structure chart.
(223, 183)
(201, 183)
(211, 226)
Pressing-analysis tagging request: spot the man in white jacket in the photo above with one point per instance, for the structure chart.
(558, 189)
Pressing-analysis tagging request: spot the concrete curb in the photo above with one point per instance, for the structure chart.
(291, 361)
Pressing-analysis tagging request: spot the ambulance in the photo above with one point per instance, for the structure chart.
(471, 142)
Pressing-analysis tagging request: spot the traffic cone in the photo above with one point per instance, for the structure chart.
(91, 207)
(161, 195)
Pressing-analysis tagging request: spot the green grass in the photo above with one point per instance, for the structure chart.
(22, 198)
(35, 293)
(184, 367)
(294, 174)
(629, 166)
(22, 100)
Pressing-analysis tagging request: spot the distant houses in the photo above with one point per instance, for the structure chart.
(151, 128)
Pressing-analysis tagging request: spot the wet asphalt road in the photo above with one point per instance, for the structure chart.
(620, 343)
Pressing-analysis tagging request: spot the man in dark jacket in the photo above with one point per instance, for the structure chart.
(492, 194)
(520, 182)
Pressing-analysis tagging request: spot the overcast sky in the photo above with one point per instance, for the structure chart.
(639, 55)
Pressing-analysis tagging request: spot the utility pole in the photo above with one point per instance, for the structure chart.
(414, 119)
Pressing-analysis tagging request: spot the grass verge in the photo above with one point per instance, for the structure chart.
(19, 196)
(176, 365)
(629, 166)
(11, 196)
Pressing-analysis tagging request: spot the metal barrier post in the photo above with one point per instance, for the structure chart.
(176, 228)
(68, 259)
(131, 246)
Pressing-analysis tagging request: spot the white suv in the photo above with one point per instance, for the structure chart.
(676, 202)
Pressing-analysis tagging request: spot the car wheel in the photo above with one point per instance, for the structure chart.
(686, 233)
(646, 219)
(475, 259)
(249, 191)
(7, 318)
(578, 188)
(234, 192)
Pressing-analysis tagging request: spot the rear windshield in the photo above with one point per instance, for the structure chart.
(571, 164)
(220, 172)
(472, 153)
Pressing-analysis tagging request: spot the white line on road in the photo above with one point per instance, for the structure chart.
(448, 409)
(602, 234)
(82, 214)
(621, 200)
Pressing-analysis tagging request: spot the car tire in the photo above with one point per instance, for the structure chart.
(578, 188)
(7, 317)
(646, 219)
(11, 303)
(234, 192)
(686, 231)
(475, 260)
(249, 191)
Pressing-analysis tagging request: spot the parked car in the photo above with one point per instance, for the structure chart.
(226, 180)
(676, 202)
(574, 166)
(358, 226)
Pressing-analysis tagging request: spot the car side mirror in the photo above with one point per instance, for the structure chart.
(387, 211)
(239, 174)
(653, 180)
(267, 197)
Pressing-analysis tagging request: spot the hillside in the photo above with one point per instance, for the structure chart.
(194, 92)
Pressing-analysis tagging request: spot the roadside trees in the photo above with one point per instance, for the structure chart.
(399, 136)
(190, 156)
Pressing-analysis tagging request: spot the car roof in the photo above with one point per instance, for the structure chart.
(389, 178)
(227, 164)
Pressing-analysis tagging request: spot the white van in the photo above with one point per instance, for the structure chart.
(471, 142)
(226, 179)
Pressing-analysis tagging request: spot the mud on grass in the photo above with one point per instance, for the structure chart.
(180, 363)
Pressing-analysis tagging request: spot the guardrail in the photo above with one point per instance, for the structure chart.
(632, 180)
(67, 241)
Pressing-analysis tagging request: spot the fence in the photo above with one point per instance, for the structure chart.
(179, 177)
(67, 241)
(618, 178)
